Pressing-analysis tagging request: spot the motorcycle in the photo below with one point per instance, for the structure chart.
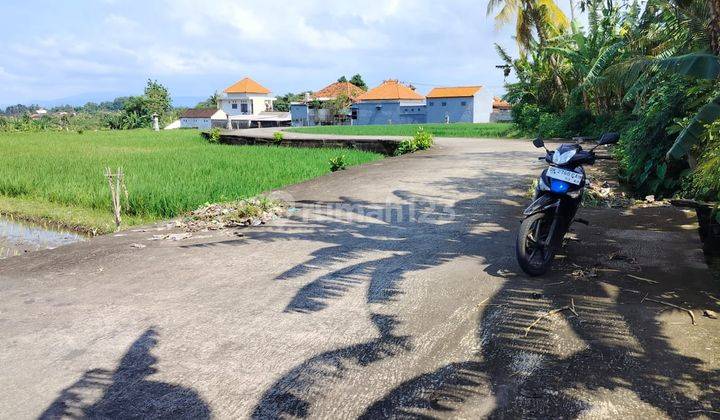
(557, 198)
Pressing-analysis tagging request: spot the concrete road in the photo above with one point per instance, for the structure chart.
(391, 290)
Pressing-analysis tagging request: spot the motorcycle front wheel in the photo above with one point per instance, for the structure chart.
(534, 252)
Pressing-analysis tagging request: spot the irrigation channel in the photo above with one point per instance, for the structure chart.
(19, 237)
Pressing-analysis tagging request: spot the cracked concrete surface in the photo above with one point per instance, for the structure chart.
(390, 290)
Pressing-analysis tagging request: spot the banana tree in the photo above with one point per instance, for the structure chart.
(700, 66)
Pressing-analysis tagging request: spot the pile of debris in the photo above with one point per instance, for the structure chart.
(602, 194)
(250, 212)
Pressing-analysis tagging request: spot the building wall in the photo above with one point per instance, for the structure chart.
(389, 112)
(201, 123)
(482, 106)
(501, 115)
(470, 109)
(299, 115)
(255, 103)
(440, 110)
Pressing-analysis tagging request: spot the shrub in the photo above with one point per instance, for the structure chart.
(214, 136)
(405, 146)
(421, 140)
(277, 137)
(338, 163)
(642, 147)
(526, 117)
(533, 121)
(705, 181)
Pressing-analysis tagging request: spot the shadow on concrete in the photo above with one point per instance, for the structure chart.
(291, 395)
(126, 392)
(566, 365)
(413, 233)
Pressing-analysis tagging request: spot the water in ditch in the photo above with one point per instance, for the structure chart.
(19, 237)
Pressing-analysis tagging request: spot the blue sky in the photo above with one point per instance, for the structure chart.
(101, 49)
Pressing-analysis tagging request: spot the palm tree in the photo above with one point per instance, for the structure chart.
(544, 17)
(715, 26)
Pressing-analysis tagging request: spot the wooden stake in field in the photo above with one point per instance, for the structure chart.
(116, 181)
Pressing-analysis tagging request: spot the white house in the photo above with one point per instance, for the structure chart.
(203, 118)
(246, 97)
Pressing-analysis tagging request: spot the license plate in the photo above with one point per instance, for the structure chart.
(564, 175)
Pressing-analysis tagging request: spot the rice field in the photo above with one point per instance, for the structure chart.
(59, 176)
(486, 130)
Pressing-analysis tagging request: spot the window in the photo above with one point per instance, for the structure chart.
(431, 103)
(234, 106)
(463, 103)
(243, 107)
(444, 104)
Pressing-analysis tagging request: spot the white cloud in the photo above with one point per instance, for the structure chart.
(292, 46)
(121, 23)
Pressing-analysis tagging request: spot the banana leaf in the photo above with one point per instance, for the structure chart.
(691, 134)
(698, 65)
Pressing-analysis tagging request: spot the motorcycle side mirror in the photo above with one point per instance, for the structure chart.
(538, 142)
(609, 138)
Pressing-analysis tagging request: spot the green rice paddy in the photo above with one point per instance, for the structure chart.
(59, 177)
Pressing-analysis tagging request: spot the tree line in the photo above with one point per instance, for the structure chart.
(121, 113)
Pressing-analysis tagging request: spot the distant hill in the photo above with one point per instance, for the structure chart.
(97, 97)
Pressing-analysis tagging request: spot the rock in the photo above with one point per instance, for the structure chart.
(139, 246)
(650, 198)
(179, 236)
(710, 314)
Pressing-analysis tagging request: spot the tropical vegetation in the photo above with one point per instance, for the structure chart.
(649, 70)
(122, 113)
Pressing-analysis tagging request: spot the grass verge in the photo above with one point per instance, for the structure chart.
(484, 130)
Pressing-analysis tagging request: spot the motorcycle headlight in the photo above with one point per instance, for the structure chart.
(563, 158)
(558, 186)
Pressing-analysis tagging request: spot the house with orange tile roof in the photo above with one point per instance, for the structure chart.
(338, 89)
(312, 110)
(392, 102)
(501, 110)
(246, 97)
(247, 103)
(469, 104)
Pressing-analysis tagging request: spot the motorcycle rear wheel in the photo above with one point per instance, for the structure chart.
(534, 252)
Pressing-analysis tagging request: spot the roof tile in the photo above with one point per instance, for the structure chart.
(390, 90)
(453, 92)
(499, 103)
(339, 88)
(199, 113)
(247, 85)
